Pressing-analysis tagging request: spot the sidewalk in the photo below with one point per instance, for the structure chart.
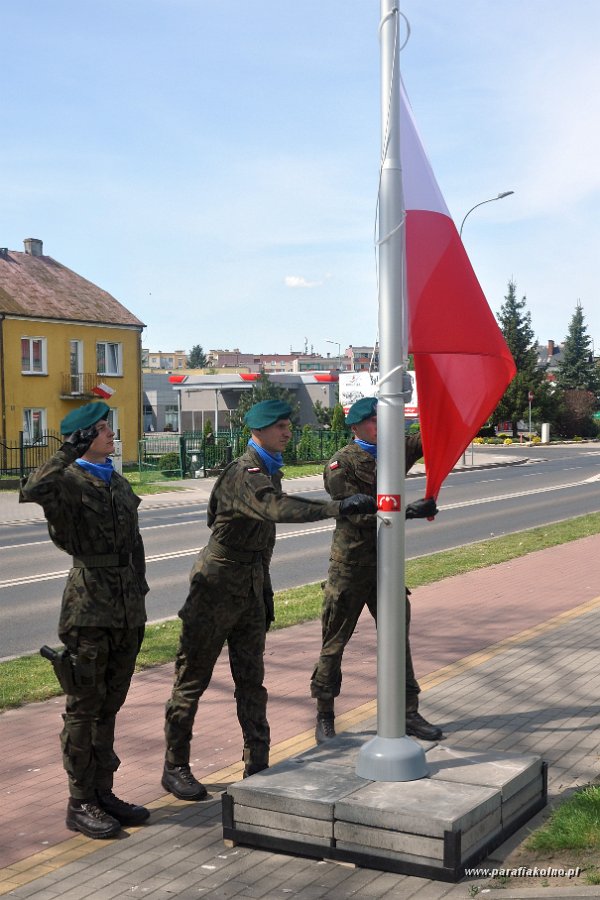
(507, 658)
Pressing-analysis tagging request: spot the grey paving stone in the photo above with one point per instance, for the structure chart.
(508, 772)
(284, 823)
(424, 807)
(307, 789)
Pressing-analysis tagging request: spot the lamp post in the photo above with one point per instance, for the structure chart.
(529, 399)
(491, 200)
(500, 196)
(339, 346)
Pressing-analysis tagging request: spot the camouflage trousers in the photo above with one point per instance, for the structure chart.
(211, 617)
(104, 662)
(346, 592)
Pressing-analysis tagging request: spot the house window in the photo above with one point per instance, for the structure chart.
(171, 417)
(33, 356)
(34, 425)
(112, 418)
(108, 358)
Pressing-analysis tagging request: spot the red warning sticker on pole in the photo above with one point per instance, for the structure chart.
(388, 502)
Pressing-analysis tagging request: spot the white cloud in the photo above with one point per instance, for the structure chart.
(298, 281)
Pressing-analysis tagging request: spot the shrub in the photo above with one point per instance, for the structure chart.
(478, 440)
(170, 464)
(536, 439)
(507, 441)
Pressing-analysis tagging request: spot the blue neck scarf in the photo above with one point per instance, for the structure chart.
(100, 470)
(273, 461)
(370, 448)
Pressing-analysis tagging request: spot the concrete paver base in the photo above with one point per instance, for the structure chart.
(315, 804)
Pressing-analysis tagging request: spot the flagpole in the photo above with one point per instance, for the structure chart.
(391, 756)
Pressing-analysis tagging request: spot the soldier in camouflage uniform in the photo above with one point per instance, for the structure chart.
(231, 597)
(92, 516)
(352, 578)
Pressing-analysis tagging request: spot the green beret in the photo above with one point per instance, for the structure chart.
(361, 410)
(84, 417)
(266, 413)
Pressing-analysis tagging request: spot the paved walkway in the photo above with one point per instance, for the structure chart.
(507, 658)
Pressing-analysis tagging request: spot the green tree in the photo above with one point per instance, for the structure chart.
(577, 369)
(575, 416)
(322, 413)
(338, 421)
(208, 432)
(197, 358)
(515, 323)
(263, 389)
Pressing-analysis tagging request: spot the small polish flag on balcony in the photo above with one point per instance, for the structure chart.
(103, 390)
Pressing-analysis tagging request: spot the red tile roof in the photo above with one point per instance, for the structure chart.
(39, 287)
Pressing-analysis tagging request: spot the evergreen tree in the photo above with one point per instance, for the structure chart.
(577, 369)
(338, 421)
(515, 323)
(322, 413)
(208, 432)
(197, 358)
(263, 389)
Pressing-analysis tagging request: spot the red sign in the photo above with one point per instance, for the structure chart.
(388, 502)
(530, 396)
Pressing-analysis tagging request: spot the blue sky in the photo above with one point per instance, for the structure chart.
(214, 166)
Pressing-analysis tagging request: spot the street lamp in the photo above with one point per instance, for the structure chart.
(500, 196)
(491, 200)
(339, 346)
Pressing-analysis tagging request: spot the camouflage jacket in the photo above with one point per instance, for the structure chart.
(89, 518)
(350, 471)
(243, 508)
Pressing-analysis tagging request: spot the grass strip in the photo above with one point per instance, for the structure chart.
(574, 825)
(31, 678)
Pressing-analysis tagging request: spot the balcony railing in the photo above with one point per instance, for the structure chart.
(78, 386)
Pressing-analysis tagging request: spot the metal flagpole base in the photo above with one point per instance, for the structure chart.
(391, 759)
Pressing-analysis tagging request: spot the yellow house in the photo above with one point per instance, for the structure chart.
(63, 342)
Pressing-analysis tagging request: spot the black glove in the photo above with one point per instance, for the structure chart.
(422, 509)
(81, 439)
(269, 608)
(358, 504)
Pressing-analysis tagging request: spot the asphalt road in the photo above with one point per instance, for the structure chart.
(555, 483)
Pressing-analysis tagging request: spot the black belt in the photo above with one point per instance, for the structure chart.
(225, 552)
(102, 561)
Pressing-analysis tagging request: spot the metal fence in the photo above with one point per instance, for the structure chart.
(194, 455)
(19, 458)
(188, 455)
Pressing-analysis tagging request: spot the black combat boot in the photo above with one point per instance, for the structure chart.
(252, 768)
(90, 819)
(125, 813)
(180, 782)
(420, 728)
(325, 729)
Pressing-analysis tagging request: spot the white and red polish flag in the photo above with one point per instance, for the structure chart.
(103, 390)
(462, 362)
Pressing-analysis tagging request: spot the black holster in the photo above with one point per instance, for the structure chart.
(62, 663)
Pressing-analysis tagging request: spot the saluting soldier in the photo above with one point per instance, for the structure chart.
(231, 597)
(352, 577)
(92, 515)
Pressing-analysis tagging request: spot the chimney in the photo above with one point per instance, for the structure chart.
(33, 247)
(550, 348)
